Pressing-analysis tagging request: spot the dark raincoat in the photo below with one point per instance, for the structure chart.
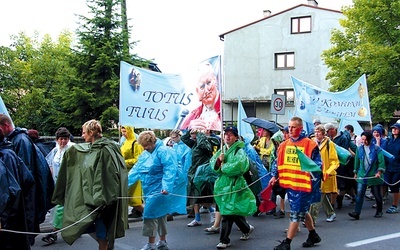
(21, 209)
(35, 161)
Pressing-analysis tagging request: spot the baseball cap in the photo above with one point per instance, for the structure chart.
(232, 129)
(329, 126)
(396, 125)
(316, 121)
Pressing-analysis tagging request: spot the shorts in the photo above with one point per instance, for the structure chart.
(279, 191)
(392, 178)
(299, 204)
(153, 226)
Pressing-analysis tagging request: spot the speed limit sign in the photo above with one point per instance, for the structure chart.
(278, 103)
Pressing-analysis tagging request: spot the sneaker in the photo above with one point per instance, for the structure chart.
(203, 210)
(280, 214)
(212, 229)
(312, 240)
(374, 206)
(257, 213)
(370, 196)
(162, 245)
(378, 215)
(247, 236)
(223, 245)
(149, 246)
(283, 246)
(347, 196)
(170, 217)
(354, 215)
(331, 218)
(270, 212)
(352, 203)
(212, 217)
(392, 210)
(194, 223)
(50, 238)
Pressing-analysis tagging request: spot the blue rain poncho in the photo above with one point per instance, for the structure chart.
(158, 171)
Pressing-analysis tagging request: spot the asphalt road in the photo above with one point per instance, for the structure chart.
(343, 233)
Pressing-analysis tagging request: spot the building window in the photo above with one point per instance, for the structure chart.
(284, 60)
(301, 25)
(288, 93)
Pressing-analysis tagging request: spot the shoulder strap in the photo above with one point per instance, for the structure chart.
(236, 150)
(327, 145)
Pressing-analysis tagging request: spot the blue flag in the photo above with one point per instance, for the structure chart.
(244, 128)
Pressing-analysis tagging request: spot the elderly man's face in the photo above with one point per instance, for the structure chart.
(207, 89)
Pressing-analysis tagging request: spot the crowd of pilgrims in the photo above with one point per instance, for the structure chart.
(155, 177)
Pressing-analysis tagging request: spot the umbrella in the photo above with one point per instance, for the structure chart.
(271, 126)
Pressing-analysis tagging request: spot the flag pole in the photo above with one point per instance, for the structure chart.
(220, 89)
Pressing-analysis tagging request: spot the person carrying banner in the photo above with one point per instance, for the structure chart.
(368, 167)
(300, 193)
(202, 145)
(207, 116)
(232, 195)
(346, 184)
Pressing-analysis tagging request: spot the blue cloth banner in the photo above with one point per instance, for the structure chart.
(244, 128)
(350, 104)
(162, 101)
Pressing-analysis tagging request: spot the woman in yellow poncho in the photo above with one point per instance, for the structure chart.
(264, 146)
(131, 150)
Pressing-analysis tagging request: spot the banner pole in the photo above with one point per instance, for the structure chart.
(220, 81)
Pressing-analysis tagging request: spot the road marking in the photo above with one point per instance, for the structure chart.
(372, 240)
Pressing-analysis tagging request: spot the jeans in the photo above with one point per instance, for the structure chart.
(376, 192)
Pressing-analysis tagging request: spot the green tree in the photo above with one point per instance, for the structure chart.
(369, 44)
(30, 76)
(102, 45)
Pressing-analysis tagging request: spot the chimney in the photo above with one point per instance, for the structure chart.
(266, 13)
(313, 3)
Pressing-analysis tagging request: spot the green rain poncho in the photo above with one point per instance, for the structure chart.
(231, 192)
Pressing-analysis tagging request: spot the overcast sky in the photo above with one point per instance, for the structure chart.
(177, 34)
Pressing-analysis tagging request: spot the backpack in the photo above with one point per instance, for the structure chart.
(252, 177)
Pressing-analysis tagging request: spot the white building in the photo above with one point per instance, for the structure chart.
(260, 58)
